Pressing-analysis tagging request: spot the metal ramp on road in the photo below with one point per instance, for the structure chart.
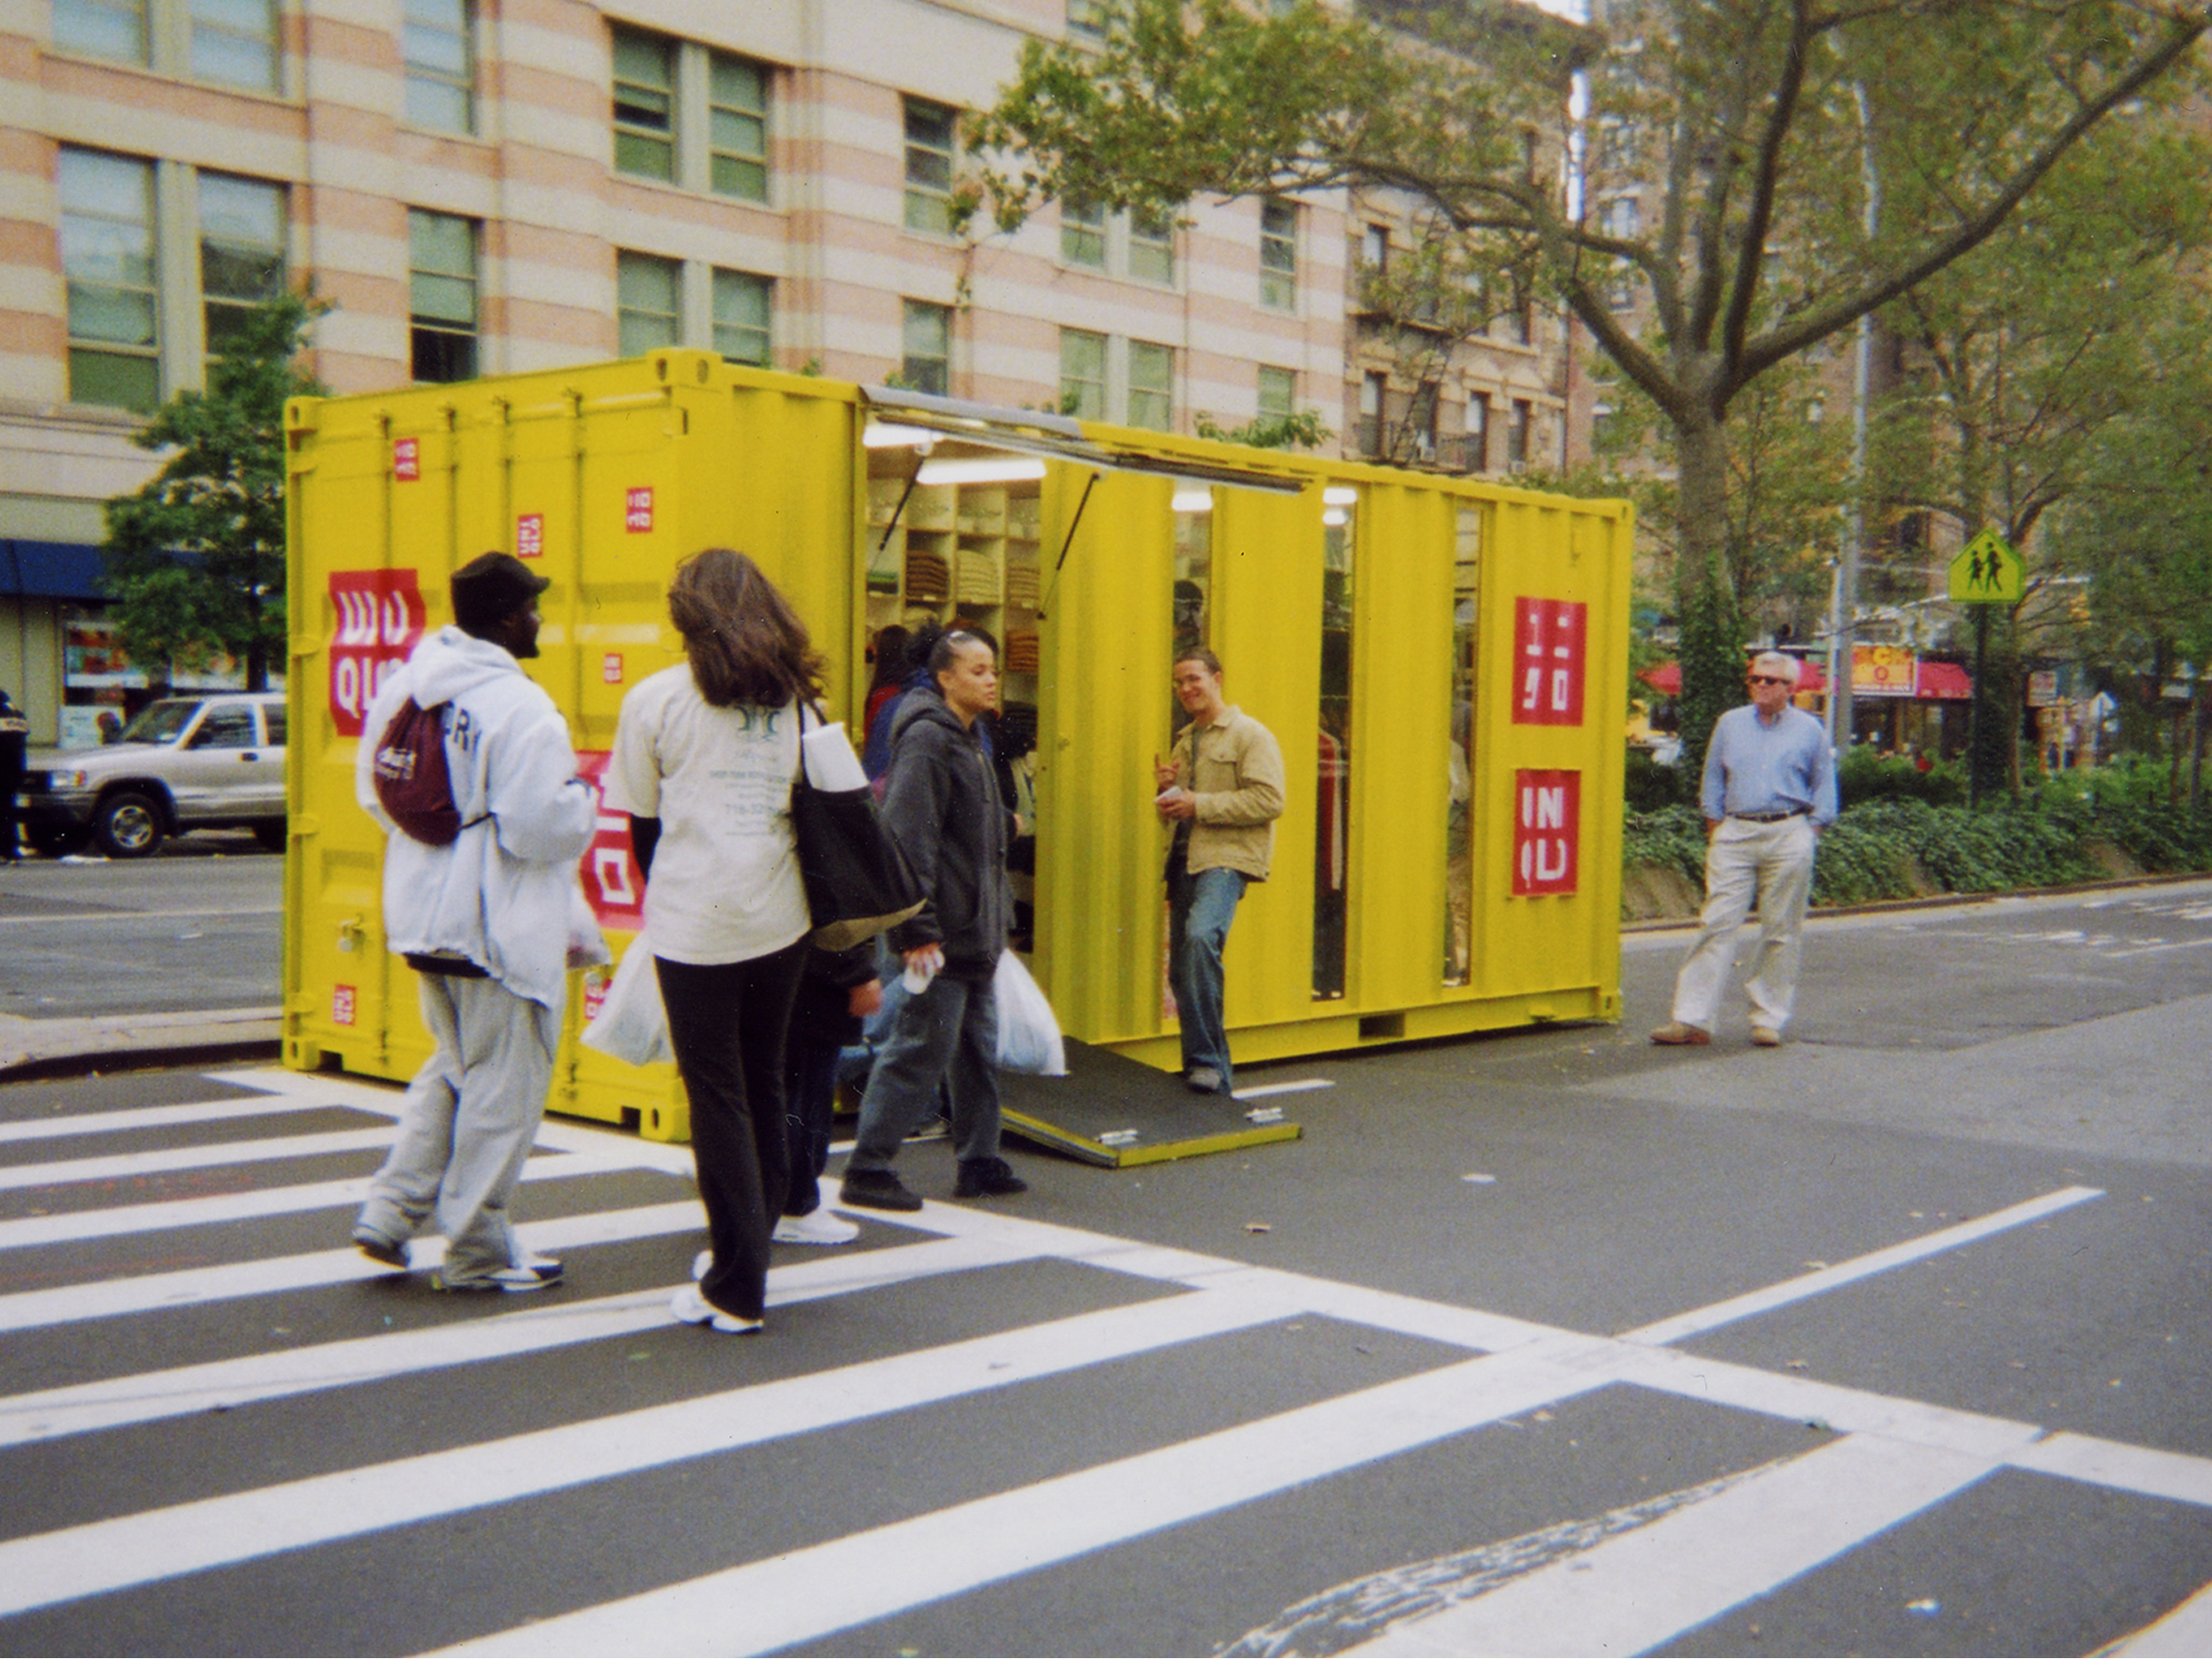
(1118, 1113)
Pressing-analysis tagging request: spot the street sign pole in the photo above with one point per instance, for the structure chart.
(1974, 708)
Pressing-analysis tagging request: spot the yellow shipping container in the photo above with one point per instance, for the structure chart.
(1443, 662)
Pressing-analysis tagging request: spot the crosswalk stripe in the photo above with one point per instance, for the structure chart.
(2179, 1476)
(154, 1118)
(28, 1232)
(809, 1594)
(1644, 1588)
(102, 1557)
(149, 1396)
(168, 1160)
(1720, 1313)
(2183, 1634)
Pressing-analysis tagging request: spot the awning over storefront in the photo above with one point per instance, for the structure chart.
(1666, 678)
(51, 570)
(1933, 681)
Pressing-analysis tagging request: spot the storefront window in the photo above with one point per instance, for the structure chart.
(1459, 873)
(1332, 783)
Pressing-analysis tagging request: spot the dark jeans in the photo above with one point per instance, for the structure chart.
(727, 1022)
(948, 1034)
(820, 1024)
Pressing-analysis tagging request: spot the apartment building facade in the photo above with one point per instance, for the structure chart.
(486, 186)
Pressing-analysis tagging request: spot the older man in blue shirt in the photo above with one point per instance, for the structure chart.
(1770, 790)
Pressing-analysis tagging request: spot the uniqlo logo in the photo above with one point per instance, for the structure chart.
(612, 882)
(406, 459)
(530, 536)
(1546, 830)
(380, 615)
(610, 668)
(637, 510)
(1550, 637)
(342, 1005)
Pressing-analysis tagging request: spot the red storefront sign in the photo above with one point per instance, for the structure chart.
(612, 882)
(380, 615)
(1547, 832)
(1550, 637)
(406, 459)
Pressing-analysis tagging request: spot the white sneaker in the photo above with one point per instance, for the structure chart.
(532, 1272)
(699, 1263)
(693, 1308)
(816, 1226)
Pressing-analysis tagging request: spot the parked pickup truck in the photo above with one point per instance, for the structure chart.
(184, 763)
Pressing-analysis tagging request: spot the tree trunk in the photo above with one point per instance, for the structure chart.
(1710, 644)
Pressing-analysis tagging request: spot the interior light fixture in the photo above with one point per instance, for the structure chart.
(1334, 515)
(1339, 495)
(990, 469)
(888, 434)
(1194, 500)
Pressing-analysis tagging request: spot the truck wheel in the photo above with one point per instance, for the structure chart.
(128, 826)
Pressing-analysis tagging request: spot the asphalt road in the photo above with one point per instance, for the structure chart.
(197, 927)
(1891, 1340)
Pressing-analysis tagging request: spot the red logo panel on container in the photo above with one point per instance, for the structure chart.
(612, 882)
(342, 1005)
(380, 615)
(1547, 832)
(530, 535)
(1550, 637)
(637, 510)
(406, 459)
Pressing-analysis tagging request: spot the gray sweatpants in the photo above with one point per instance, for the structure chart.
(467, 1123)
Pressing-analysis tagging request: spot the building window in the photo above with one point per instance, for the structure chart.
(234, 41)
(648, 303)
(441, 295)
(441, 65)
(741, 316)
(1083, 374)
(1421, 419)
(1374, 401)
(644, 105)
(1278, 255)
(101, 29)
(1279, 393)
(1083, 233)
(929, 156)
(1600, 428)
(1516, 435)
(1479, 432)
(1152, 247)
(1151, 386)
(925, 363)
(242, 252)
(1374, 249)
(737, 128)
(107, 255)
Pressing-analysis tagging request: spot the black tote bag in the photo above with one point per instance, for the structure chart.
(858, 883)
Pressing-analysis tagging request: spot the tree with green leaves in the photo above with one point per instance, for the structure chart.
(1756, 126)
(195, 555)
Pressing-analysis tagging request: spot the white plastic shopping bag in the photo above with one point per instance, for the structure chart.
(1028, 1033)
(631, 1024)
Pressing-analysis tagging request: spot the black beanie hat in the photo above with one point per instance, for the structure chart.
(489, 587)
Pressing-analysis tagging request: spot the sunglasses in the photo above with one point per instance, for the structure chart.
(1769, 679)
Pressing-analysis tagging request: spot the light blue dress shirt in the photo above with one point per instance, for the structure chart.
(1753, 767)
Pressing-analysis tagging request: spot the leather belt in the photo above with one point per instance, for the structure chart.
(1771, 818)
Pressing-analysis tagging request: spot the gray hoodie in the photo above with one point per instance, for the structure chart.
(500, 894)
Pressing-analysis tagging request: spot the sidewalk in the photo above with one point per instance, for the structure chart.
(61, 1048)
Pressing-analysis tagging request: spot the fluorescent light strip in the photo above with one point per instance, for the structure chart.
(1011, 469)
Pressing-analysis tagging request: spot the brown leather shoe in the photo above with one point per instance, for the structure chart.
(1762, 1037)
(1674, 1032)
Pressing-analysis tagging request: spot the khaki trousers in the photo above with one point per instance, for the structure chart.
(1774, 864)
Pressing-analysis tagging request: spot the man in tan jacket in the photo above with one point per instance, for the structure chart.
(1222, 788)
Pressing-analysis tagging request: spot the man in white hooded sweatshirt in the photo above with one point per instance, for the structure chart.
(484, 920)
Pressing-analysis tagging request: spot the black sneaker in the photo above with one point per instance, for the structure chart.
(386, 1252)
(877, 1189)
(987, 1178)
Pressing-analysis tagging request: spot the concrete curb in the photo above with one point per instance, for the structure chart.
(1937, 901)
(72, 1048)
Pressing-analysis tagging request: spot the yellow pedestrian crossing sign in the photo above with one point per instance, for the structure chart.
(1987, 572)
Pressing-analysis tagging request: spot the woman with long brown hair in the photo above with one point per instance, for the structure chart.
(704, 756)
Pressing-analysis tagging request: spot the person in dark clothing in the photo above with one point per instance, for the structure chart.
(875, 754)
(839, 989)
(940, 801)
(892, 667)
(15, 737)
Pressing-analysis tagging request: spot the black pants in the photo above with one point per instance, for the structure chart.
(821, 1026)
(727, 1022)
(10, 782)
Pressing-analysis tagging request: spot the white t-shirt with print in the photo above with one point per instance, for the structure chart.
(726, 884)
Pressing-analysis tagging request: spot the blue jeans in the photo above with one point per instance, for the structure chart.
(1200, 909)
(946, 1035)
